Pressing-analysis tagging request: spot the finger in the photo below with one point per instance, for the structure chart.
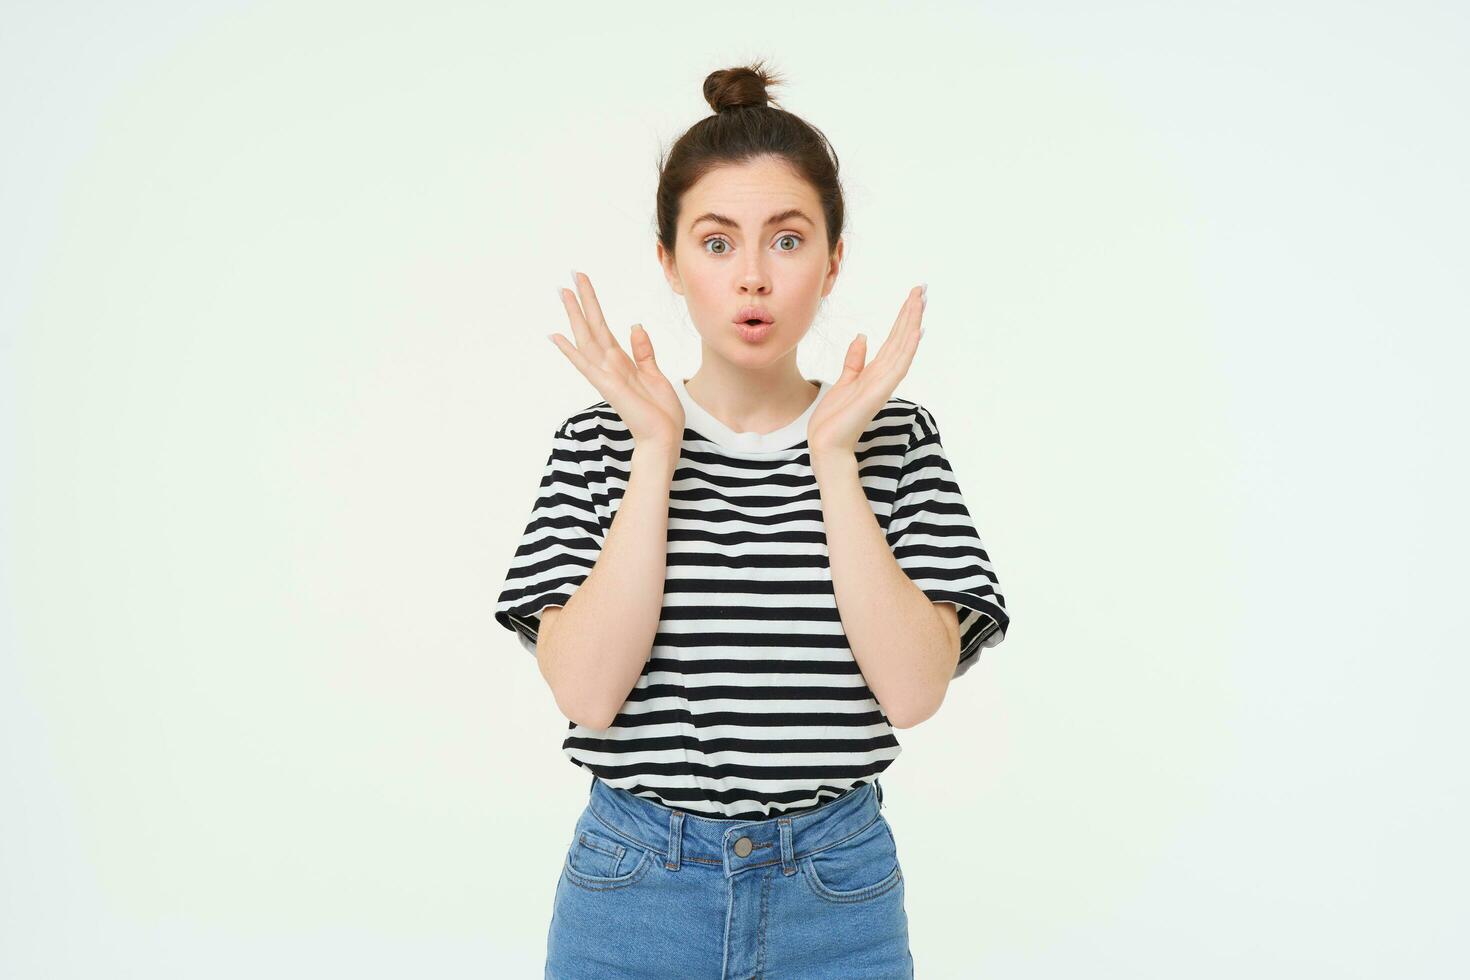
(857, 355)
(918, 325)
(904, 354)
(595, 319)
(898, 352)
(906, 357)
(580, 328)
(642, 347)
(609, 384)
(578, 359)
(907, 321)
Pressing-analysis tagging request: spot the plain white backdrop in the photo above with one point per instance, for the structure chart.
(276, 391)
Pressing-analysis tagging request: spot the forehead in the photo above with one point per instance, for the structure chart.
(751, 192)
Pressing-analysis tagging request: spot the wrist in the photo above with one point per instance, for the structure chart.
(832, 460)
(656, 453)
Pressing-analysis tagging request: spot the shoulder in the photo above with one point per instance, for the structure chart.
(598, 439)
(917, 421)
(592, 423)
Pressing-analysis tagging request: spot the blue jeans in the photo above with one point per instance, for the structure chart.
(650, 892)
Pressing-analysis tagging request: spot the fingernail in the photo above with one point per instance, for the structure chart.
(924, 293)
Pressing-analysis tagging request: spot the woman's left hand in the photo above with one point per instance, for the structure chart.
(862, 391)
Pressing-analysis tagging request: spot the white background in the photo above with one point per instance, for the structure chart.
(276, 392)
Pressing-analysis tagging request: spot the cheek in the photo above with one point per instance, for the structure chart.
(699, 286)
(706, 303)
(808, 276)
(711, 298)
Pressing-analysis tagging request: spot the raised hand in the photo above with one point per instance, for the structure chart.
(635, 387)
(861, 392)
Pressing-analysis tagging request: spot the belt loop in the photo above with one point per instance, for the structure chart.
(788, 855)
(879, 787)
(676, 837)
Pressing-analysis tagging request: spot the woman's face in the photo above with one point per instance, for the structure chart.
(751, 235)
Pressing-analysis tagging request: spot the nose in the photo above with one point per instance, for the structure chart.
(755, 279)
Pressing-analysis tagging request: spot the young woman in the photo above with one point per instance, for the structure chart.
(738, 584)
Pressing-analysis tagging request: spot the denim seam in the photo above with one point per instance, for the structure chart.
(797, 856)
(594, 884)
(592, 843)
(857, 895)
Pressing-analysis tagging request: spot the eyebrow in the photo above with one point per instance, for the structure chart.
(775, 219)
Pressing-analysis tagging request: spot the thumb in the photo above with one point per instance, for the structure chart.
(857, 355)
(641, 345)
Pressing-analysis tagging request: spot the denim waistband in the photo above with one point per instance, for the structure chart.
(734, 845)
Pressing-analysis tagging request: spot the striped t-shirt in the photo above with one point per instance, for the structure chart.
(750, 704)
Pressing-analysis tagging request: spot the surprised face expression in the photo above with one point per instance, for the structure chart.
(751, 259)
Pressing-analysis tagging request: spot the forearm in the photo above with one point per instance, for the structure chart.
(900, 643)
(600, 640)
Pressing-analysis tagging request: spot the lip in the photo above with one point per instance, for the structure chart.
(753, 313)
(753, 334)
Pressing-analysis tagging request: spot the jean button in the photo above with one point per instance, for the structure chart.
(743, 847)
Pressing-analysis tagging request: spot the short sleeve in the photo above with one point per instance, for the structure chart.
(937, 545)
(560, 544)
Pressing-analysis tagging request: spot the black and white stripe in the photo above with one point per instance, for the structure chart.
(751, 703)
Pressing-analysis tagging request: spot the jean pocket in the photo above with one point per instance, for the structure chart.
(859, 868)
(598, 860)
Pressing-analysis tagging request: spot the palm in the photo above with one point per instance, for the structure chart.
(634, 386)
(840, 419)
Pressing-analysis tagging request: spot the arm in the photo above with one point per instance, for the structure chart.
(906, 645)
(592, 650)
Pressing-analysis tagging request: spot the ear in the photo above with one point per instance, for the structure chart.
(671, 269)
(834, 265)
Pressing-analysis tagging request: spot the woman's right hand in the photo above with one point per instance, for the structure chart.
(635, 387)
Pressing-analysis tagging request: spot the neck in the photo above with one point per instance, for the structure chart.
(751, 401)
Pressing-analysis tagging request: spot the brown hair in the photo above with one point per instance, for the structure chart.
(746, 124)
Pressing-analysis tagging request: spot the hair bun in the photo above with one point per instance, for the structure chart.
(734, 88)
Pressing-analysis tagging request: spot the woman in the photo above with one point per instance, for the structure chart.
(738, 584)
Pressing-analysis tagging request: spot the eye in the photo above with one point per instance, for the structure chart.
(726, 246)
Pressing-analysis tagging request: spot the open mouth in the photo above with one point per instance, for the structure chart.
(753, 315)
(753, 330)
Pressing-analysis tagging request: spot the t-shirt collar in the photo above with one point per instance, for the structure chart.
(788, 436)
